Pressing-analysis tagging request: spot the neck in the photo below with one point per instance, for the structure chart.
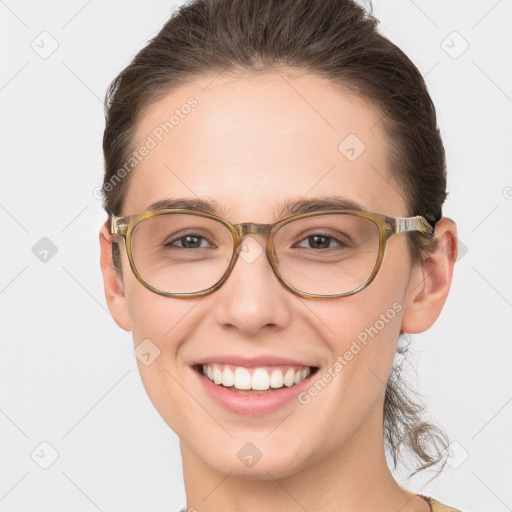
(354, 478)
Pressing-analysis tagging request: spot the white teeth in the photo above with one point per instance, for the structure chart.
(242, 378)
(228, 377)
(276, 379)
(261, 379)
(217, 375)
(288, 377)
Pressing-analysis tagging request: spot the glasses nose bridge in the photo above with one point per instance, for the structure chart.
(252, 228)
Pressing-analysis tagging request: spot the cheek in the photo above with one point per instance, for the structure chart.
(362, 332)
(373, 313)
(159, 326)
(154, 316)
(363, 340)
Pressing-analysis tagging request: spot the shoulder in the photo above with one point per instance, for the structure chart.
(437, 506)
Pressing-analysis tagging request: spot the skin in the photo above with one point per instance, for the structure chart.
(253, 141)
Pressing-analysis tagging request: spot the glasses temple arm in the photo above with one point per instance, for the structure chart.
(417, 223)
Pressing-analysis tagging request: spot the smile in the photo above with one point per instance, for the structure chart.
(252, 386)
(255, 380)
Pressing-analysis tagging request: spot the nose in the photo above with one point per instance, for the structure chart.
(253, 298)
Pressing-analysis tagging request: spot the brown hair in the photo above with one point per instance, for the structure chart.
(337, 40)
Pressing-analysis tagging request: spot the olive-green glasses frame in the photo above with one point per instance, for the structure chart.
(387, 226)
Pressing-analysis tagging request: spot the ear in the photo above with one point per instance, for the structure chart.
(112, 282)
(431, 280)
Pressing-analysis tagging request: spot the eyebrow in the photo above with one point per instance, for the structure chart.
(286, 209)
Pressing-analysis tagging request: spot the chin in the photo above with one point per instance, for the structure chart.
(259, 459)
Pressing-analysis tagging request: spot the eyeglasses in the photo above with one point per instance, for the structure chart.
(324, 254)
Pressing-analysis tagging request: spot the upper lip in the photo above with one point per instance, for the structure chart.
(251, 362)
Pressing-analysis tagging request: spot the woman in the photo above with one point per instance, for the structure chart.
(274, 184)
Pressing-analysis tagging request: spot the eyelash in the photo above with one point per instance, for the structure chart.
(322, 234)
(326, 235)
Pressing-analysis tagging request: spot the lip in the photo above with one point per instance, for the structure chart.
(251, 404)
(251, 362)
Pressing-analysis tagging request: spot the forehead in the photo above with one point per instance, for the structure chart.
(252, 142)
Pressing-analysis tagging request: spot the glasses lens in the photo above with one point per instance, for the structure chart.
(181, 253)
(327, 254)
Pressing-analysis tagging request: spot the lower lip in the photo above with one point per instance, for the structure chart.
(252, 404)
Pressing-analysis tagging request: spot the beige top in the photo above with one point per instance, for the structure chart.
(436, 506)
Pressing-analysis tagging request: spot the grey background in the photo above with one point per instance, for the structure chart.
(68, 376)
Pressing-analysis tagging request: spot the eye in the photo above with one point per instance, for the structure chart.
(189, 241)
(322, 241)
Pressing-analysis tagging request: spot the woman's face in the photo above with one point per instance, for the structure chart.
(250, 144)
